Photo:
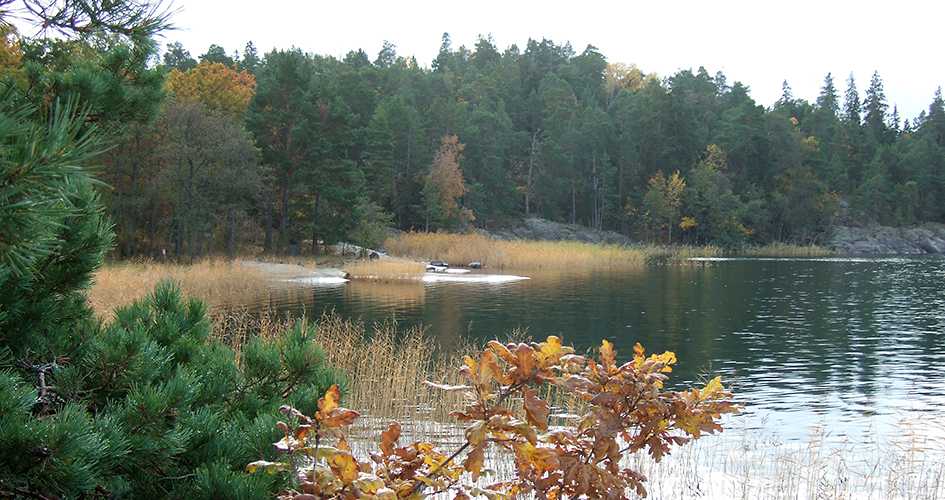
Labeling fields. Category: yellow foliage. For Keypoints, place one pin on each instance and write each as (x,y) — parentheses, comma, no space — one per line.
(216,86)
(446,176)
(10,53)
(715,158)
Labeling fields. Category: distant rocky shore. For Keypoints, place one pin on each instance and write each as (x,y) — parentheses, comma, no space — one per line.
(927,238)
(545,230)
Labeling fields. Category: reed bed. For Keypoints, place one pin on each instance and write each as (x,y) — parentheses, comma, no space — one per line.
(214,280)
(386,364)
(747,464)
(462,249)
(385,270)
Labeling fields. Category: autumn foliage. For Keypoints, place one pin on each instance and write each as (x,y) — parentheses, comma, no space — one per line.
(628,410)
(216,86)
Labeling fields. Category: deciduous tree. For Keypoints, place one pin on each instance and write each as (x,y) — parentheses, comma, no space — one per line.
(217,87)
(443,181)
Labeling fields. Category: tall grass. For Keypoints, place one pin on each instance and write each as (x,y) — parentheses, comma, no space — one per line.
(217,281)
(462,249)
(385,270)
(747,464)
(119,283)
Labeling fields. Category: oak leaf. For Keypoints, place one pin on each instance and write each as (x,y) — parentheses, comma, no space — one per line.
(328,402)
(536,410)
(474,460)
(344,466)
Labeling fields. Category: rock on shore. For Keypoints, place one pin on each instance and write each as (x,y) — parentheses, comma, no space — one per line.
(927,238)
(545,230)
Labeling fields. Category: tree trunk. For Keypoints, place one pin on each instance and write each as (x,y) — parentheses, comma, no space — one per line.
(283,217)
(315,226)
(130,248)
(152,230)
(595,209)
(531,167)
(267,242)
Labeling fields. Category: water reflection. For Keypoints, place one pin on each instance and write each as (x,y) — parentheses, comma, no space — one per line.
(843,342)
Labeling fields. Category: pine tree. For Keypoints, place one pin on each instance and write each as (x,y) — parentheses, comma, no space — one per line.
(148,405)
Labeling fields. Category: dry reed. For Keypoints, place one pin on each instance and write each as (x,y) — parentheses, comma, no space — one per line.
(462,249)
(748,464)
(385,270)
(386,365)
(214,280)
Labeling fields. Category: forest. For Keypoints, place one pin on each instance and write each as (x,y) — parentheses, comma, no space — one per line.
(286,150)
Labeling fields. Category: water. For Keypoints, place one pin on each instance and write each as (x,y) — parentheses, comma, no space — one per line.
(848,345)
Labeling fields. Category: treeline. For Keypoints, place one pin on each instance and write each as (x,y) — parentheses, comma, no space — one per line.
(288,149)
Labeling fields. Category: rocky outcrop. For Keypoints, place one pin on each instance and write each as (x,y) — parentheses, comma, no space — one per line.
(545,230)
(927,238)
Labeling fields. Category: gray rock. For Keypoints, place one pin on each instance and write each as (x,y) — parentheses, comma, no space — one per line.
(928,238)
(545,230)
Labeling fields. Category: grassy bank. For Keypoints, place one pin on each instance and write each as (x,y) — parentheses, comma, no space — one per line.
(119,282)
(786,250)
(215,280)
(385,270)
(462,249)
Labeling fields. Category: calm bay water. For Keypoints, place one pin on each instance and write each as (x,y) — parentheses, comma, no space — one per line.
(849,344)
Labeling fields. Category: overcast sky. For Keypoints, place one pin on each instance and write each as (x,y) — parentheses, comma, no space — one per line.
(758,42)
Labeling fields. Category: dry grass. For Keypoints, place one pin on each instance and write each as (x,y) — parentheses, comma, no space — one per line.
(462,249)
(214,280)
(746,464)
(385,270)
(385,366)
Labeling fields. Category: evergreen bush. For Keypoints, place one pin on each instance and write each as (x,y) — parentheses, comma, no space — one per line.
(149,405)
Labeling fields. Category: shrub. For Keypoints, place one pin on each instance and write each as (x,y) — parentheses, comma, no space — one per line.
(628,411)
(150,406)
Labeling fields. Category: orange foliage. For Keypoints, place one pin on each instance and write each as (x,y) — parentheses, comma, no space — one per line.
(445,174)
(10,53)
(216,86)
(628,411)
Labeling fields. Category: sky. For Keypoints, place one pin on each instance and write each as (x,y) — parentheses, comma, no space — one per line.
(760,43)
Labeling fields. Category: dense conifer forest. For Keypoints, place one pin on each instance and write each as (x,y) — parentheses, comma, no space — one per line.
(287,148)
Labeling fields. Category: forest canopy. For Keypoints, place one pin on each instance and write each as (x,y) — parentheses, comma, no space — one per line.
(303,148)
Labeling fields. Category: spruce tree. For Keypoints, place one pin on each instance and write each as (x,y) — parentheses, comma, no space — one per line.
(851,103)
(828,100)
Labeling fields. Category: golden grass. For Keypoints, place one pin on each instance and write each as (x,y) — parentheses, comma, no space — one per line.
(385,270)
(214,280)
(385,365)
(462,249)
